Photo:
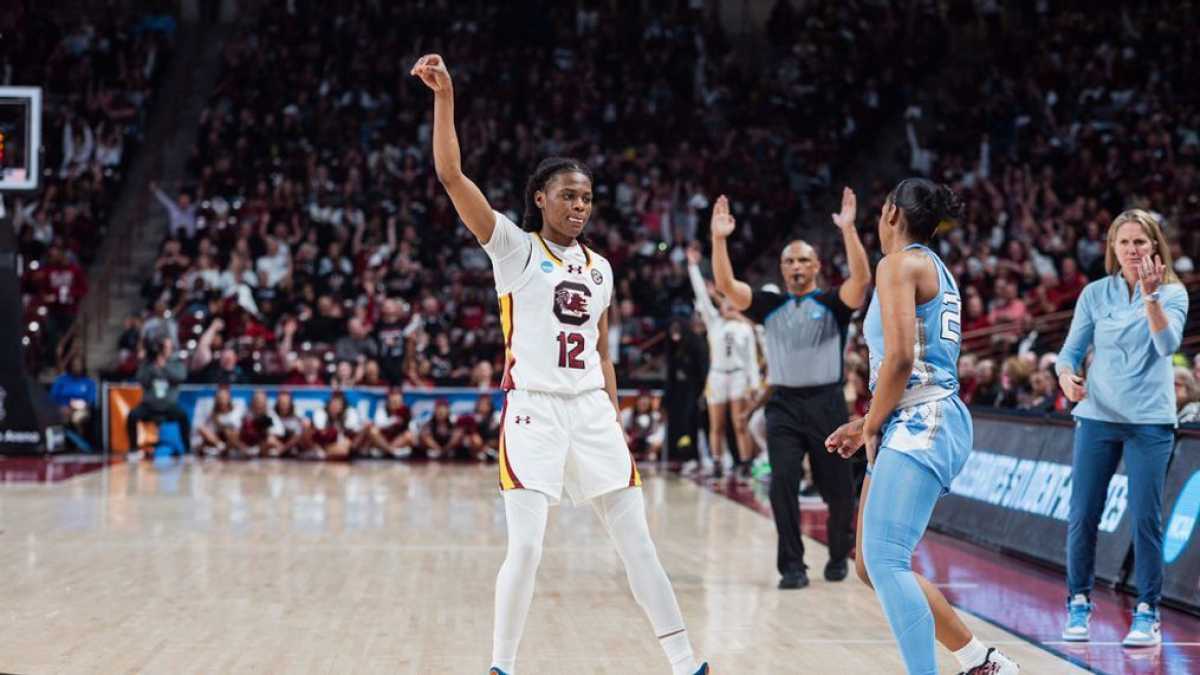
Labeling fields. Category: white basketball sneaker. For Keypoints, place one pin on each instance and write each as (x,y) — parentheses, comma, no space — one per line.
(995,663)
(1146,631)
(1079,615)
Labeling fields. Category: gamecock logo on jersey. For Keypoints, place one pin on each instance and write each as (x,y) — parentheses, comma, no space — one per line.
(571,303)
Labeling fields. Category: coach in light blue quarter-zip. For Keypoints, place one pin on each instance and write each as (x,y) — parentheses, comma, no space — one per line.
(1133,320)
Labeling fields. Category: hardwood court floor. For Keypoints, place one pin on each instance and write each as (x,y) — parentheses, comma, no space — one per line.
(275,567)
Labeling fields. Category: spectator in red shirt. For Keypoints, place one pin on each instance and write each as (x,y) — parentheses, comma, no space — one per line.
(975,318)
(968,377)
(1070,284)
(1007,307)
(65,282)
(63,285)
(372,375)
(308,373)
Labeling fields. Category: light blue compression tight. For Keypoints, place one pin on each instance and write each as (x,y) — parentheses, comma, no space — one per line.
(899,504)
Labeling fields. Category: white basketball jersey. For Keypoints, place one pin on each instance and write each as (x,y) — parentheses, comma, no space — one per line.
(732,346)
(551,317)
(731,342)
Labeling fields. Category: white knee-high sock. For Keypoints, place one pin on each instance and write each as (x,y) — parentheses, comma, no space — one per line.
(525,512)
(624,516)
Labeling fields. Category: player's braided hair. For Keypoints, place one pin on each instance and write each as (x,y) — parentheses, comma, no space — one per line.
(531,220)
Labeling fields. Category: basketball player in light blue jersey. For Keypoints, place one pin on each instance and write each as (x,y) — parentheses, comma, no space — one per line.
(918,432)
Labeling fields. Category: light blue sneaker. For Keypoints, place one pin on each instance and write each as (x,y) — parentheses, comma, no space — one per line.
(703,669)
(496,671)
(1146,630)
(1079,615)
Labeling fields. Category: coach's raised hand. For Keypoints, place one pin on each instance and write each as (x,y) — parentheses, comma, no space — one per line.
(432,70)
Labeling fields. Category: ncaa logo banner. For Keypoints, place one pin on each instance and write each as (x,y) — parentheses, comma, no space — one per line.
(1181,511)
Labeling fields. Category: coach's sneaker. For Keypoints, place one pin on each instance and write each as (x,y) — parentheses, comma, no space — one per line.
(496,671)
(995,663)
(703,669)
(1079,615)
(1146,630)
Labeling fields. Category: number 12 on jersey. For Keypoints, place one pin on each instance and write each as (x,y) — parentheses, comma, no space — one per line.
(570,359)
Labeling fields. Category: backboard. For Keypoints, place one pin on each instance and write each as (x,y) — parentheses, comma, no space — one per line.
(20,137)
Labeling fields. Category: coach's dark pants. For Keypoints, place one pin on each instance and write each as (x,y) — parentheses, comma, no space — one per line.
(172,413)
(798,422)
(683,413)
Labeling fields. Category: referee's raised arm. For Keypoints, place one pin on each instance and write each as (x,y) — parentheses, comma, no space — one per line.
(854,289)
(739,293)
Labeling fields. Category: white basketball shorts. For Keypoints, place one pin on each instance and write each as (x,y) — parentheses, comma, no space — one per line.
(549,442)
(726,387)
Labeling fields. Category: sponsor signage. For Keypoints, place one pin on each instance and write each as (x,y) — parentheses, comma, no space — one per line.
(1014,493)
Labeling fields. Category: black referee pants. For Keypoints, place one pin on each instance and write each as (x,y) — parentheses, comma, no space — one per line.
(798,422)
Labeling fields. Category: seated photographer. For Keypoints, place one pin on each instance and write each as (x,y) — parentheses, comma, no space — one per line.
(160,375)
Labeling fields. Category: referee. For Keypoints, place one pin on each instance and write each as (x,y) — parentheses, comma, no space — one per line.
(806,341)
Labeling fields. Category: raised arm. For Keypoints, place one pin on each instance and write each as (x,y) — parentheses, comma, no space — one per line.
(203,354)
(704,303)
(854,289)
(738,292)
(468,200)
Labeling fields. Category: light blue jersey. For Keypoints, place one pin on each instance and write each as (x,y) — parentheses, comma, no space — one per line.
(930,423)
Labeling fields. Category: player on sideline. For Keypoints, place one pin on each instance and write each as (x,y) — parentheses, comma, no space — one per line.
(918,432)
(559,427)
(732,369)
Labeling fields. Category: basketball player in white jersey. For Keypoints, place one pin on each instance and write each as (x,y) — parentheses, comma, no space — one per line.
(732,369)
(559,429)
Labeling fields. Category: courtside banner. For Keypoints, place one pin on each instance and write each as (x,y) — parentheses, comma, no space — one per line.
(197,400)
(1181,509)
(1015,491)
